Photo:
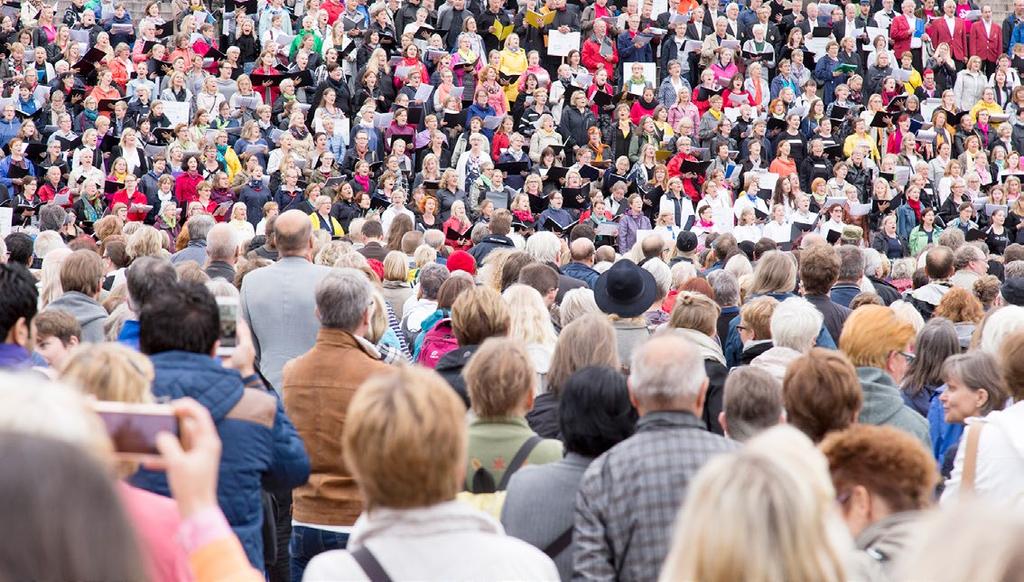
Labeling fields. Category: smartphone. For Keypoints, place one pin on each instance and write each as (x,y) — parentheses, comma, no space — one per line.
(228,310)
(133,427)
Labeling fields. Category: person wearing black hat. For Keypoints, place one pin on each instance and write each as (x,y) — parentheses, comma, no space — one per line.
(625,292)
(686,248)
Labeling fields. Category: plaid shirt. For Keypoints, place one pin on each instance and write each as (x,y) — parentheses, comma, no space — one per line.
(630,496)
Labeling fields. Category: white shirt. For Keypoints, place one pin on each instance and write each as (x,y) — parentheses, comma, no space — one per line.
(779,233)
(950,22)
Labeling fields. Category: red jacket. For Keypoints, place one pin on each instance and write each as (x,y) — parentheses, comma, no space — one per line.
(592,58)
(121,196)
(185,188)
(939,32)
(691,186)
(900,33)
(988,47)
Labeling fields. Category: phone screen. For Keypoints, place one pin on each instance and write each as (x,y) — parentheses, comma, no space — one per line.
(228,310)
(133,427)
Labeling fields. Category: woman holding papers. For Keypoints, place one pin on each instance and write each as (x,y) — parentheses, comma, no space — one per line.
(133,198)
(835,220)
(632,221)
(997,235)
(735,94)
(512,64)
(826,74)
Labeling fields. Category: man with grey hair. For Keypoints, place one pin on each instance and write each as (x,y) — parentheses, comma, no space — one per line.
(419,306)
(434,239)
(751,403)
(546,248)
(851,271)
(795,325)
(198,227)
(317,389)
(222,252)
(1013,270)
(727,296)
(873,271)
(51,217)
(970,264)
(278,301)
(626,509)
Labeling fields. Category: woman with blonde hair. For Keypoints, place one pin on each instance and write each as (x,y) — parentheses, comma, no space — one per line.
(50,287)
(695,317)
(730,526)
(531,324)
(110,371)
(587,341)
(396,287)
(146,241)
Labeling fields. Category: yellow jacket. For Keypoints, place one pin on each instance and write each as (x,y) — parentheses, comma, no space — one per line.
(512,63)
(336,229)
(854,140)
(992,108)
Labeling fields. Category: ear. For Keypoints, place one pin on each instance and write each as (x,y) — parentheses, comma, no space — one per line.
(698,406)
(981,398)
(722,421)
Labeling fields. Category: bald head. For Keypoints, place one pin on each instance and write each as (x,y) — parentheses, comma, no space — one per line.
(222,243)
(582,251)
(652,246)
(667,373)
(810,239)
(293,234)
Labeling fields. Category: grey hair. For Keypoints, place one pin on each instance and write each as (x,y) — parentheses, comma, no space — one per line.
(199,226)
(795,324)
(964,255)
(1013,270)
(431,277)
(851,263)
(752,402)
(872,262)
(544,247)
(221,242)
(343,297)
(682,272)
(726,287)
(576,303)
(51,217)
(433,238)
(47,241)
(662,275)
(667,369)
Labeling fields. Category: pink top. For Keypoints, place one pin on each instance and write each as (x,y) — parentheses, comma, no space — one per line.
(156,522)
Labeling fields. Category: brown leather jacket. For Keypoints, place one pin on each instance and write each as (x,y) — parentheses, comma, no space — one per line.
(317,388)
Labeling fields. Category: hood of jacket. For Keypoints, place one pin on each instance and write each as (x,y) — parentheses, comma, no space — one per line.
(709,348)
(882,399)
(442,518)
(775,360)
(198,376)
(454,360)
(85,309)
(499,240)
(885,539)
(931,293)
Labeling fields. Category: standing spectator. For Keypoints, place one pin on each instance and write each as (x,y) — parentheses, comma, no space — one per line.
(879,344)
(278,301)
(81,277)
(819,270)
(318,387)
(416,529)
(594,415)
(179,330)
(625,509)
(198,227)
(19,300)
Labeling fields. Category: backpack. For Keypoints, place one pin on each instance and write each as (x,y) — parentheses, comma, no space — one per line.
(436,343)
(489,498)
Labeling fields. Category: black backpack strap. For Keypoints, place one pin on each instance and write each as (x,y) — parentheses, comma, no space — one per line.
(518,460)
(371,567)
(559,544)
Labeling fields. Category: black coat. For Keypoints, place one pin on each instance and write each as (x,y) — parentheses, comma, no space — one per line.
(450,368)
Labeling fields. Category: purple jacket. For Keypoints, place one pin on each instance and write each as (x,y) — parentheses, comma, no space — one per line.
(629,224)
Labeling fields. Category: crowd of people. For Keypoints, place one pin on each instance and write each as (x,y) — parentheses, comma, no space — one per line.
(542,290)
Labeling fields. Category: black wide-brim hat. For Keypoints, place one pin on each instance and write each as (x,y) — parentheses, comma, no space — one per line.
(625,290)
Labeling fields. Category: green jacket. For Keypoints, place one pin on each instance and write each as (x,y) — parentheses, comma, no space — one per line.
(884,405)
(918,239)
(300,36)
(494,441)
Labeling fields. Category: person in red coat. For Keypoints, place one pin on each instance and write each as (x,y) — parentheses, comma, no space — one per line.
(131,196)
(599,50)
(185,183)
(950,30)
(903,28)
(691,182)
(985,39)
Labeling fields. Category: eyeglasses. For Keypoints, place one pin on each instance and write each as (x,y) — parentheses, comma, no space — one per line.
(908,356)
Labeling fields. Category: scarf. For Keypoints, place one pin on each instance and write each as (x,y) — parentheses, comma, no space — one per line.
(363,181)
(708,346)
(90,114)
(916,206)
(92,209)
